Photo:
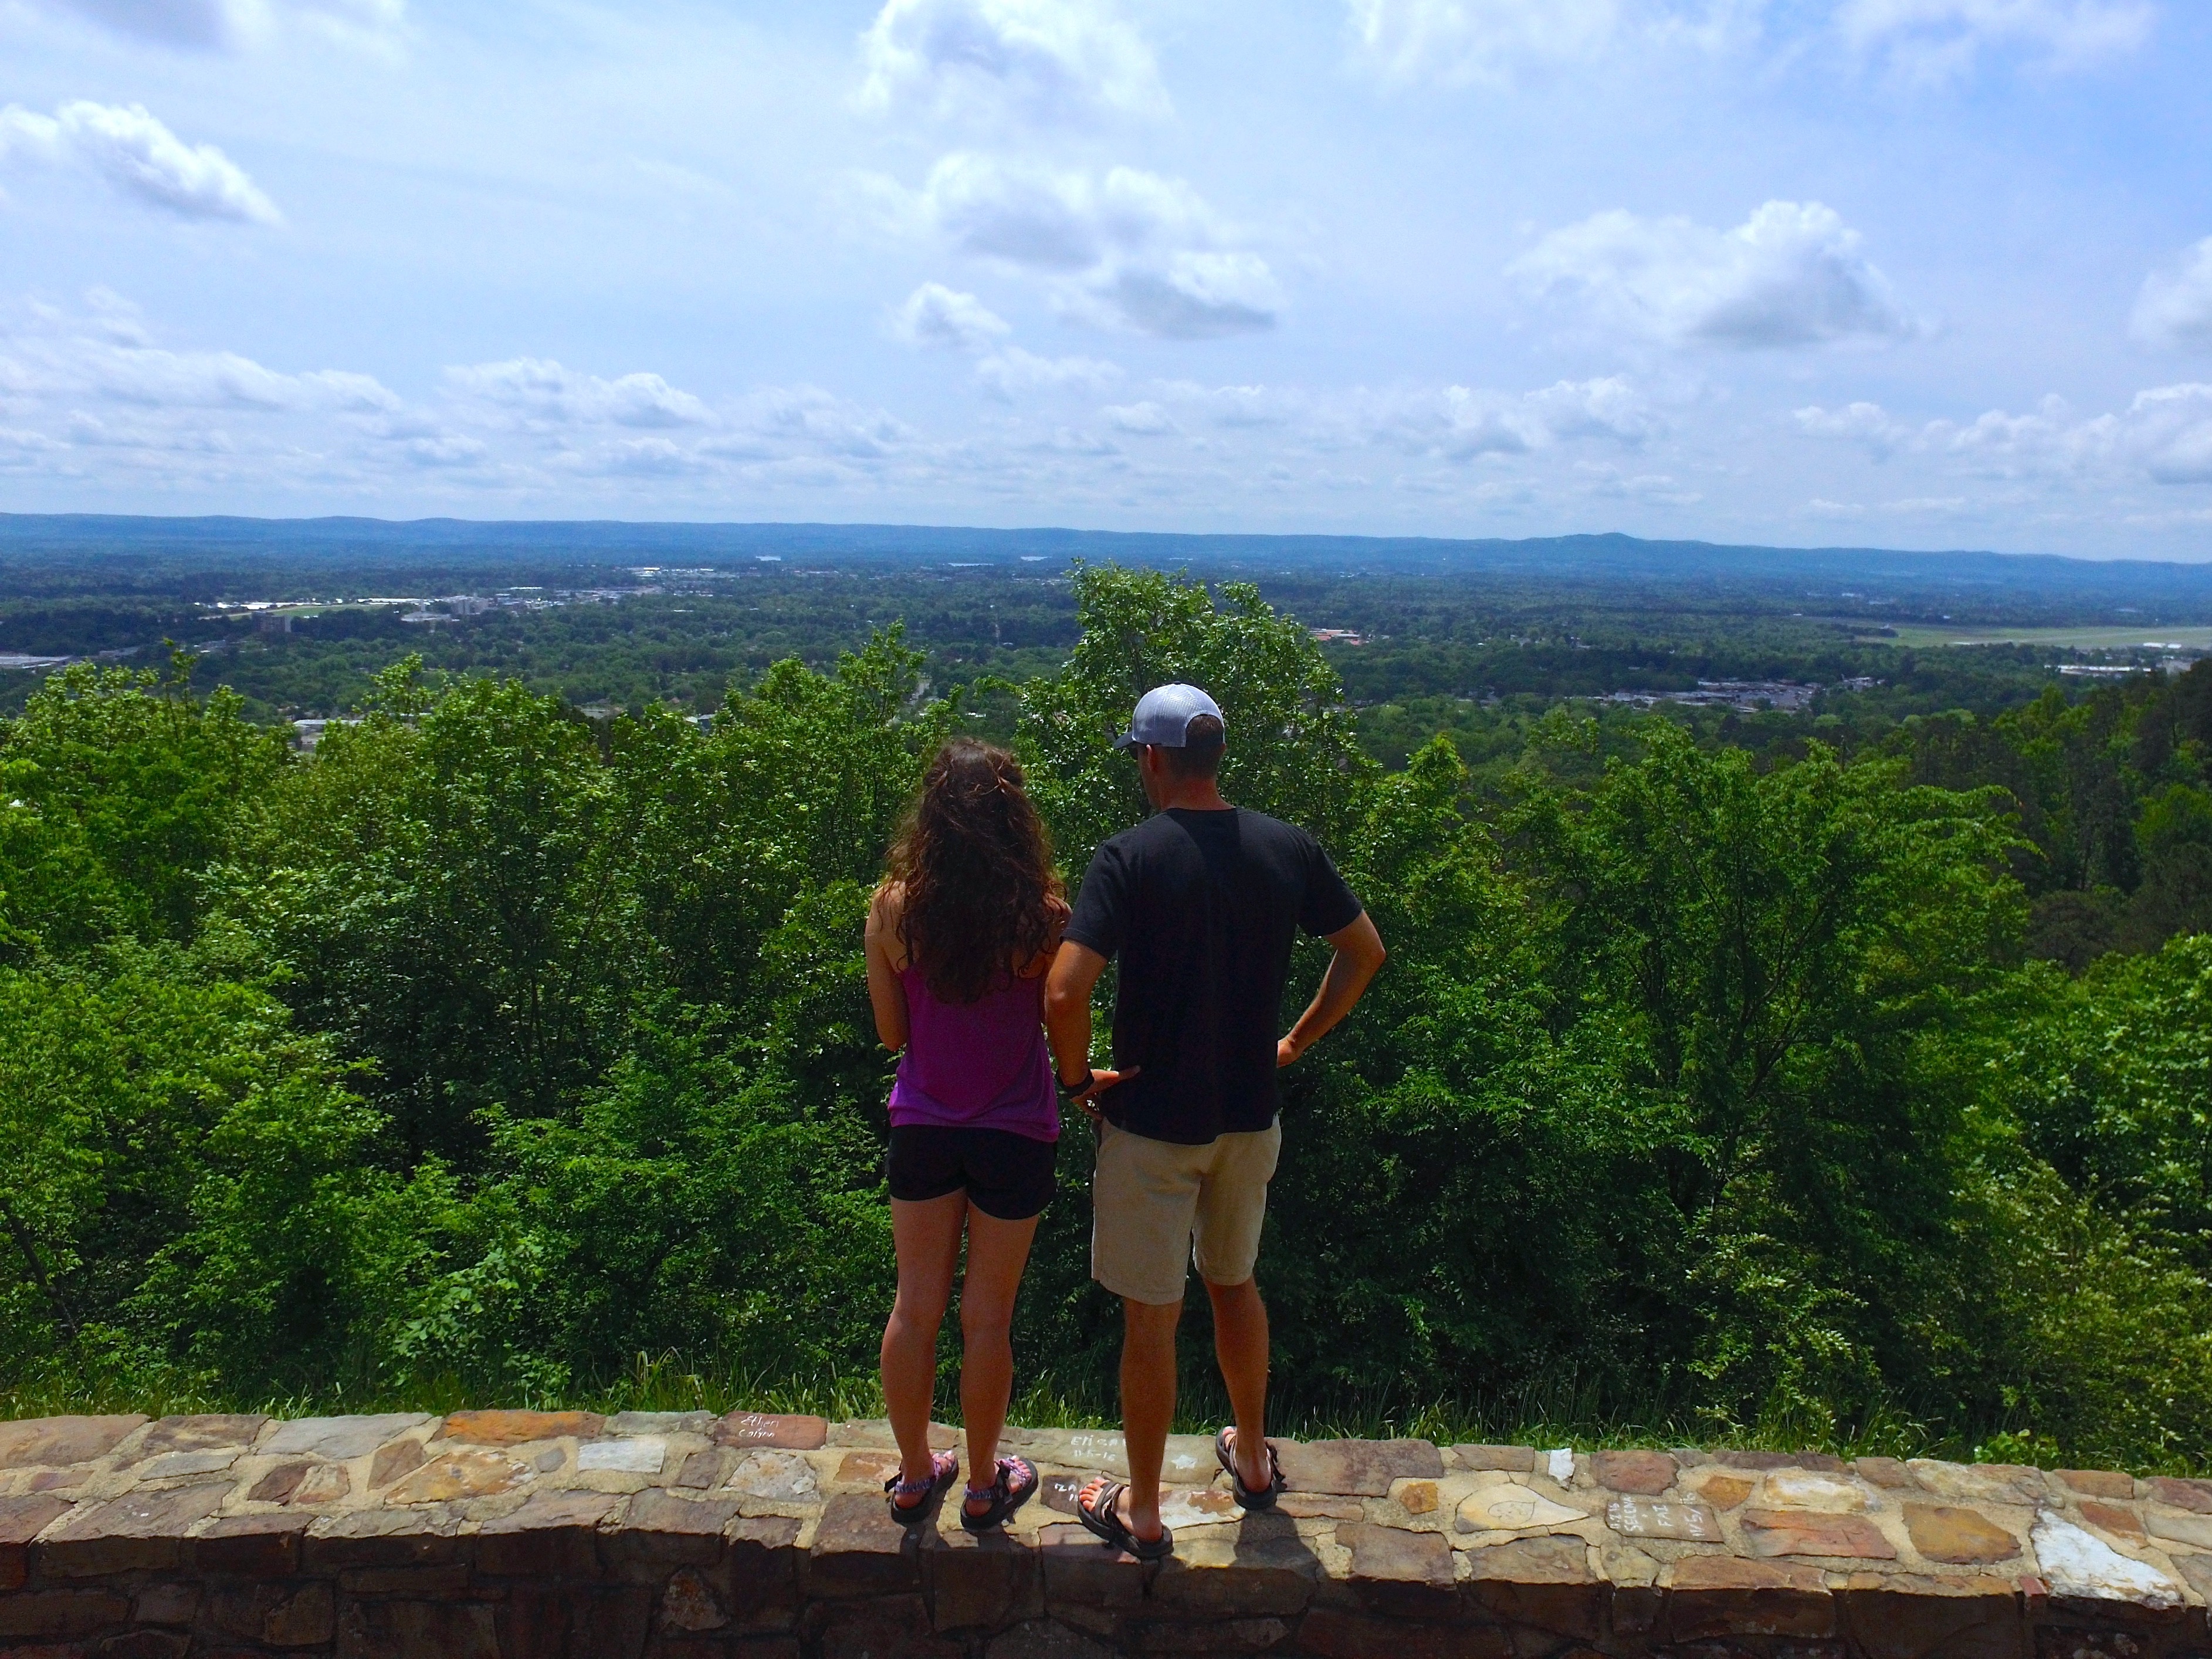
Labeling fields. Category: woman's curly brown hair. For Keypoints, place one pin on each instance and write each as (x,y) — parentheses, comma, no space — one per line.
(975,865)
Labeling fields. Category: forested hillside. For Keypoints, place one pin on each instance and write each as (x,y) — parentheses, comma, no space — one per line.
(1782,1092)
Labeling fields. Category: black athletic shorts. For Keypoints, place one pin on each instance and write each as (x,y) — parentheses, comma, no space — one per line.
(1007,1175)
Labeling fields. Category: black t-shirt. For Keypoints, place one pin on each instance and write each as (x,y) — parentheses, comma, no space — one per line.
(1203,907)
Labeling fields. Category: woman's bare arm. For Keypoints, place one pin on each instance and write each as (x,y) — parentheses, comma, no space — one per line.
(886,996)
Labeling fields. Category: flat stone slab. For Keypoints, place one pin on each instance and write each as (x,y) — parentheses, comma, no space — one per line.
(339,1438)
(2076,1563)
(767,1429)
(520,1428)
(57,1442)
(1811,1532)
(1944,1533)
(1634,1517)
(1359,1468)
(1647,1474)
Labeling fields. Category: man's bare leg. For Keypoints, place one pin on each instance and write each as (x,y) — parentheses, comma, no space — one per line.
(1148,1402)
(1240,1344)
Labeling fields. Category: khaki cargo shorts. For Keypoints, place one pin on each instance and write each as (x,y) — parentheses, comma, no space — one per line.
(1157,1206)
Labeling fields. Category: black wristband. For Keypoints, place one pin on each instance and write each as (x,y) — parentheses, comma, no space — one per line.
(1069,1090)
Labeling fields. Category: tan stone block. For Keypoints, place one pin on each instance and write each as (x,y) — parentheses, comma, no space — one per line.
(2179,1529)
(1415,1497)
(1980,1483)
(42,1441)
(1811,1532)
(1319,1506)
(138,1530)
(1722,1491)
(1410,1574)
(1356,1468)
(2098,1483)
(1516,1460)
(2197,1568)
(223,1430)
(1809,1488)
(512,1428)
(382,1538)
(659,1530)
(1644,1472)
(1944,1533)
(1542,1581)
(2195,1495)
(867,1469)
(770,1429)
(1882,1472)
(459,1474)
(786,1477)
(1507,1506)
(1634,1517)
(22,1519)
(400,1457)
(322,1483)
(1724,1595)
(2121,1521)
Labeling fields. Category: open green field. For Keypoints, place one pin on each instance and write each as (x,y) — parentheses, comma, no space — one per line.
(1921,635)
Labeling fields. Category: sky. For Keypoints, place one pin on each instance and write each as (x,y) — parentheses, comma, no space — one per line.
(1907,273)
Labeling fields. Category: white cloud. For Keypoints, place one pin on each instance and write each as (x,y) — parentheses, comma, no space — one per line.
(1145,419)
(2165,434)
(1462,424)
(135,154)
(1791,275)
(542,393)
(2176,309)
(1007,373)
(1046,60)
(233,25)
(1456,40)
(1936,38)
(1127,249)
(935,315)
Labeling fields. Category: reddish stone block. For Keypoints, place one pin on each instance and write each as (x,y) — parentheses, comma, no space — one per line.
(1722,1595)
(2115,1518)
(519,1428)
(1943,1532)
(553,1532)
(139,1530)
(435,1630)
(2099,1483)
(166,1603)
(760,1573)
(1899,1617)
(750,1429)
(1259,1568)
(66,1612)
(1081,1572)
(1807,1531)
(401,1457)
(22,1519)
(1882,1472)
(43,1441)
(1543,1582)
(251,1546)
(135,1644)
(702,1470)
(276,1616)
(895,1627)
(859,1550)
(384,1538)
(205,1432)
(584,1619)
(1045,1638)
(1518,1460)
(1356,1468)
(660,1532)
(1645,1472)
(984,1583)
(279,1484)
(1216,1635)
(1395,1571)
(2195,1495)
(439,1579)
(1329,1633)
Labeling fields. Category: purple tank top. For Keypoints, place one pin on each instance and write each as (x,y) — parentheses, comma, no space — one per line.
(981,1066)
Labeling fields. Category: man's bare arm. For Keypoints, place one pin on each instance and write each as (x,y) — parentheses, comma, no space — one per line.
(1067,990)
(1359,954)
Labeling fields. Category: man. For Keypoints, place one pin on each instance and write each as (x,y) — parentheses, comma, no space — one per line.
(1202,903)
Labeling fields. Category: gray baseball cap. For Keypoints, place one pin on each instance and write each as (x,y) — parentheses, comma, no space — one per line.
(1164,717)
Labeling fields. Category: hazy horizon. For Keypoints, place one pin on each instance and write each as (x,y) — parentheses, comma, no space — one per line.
(1917,275)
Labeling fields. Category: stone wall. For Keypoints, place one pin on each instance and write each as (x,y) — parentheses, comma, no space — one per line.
(515,1534)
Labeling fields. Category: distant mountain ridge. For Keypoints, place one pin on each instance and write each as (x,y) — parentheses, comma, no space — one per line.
(305,545)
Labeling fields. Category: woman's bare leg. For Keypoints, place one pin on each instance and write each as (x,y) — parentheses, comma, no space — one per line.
(926,1237)
(998,1251)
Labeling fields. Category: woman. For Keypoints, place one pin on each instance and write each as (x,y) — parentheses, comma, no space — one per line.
(959,936)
